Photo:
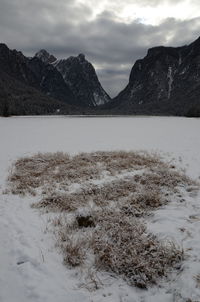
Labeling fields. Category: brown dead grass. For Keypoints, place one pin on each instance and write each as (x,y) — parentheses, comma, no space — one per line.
(164,177)
(74,253)
(51,169)
(61,202)
(127,194)
(141,193)
(197,279)
(122,245)
(112,233)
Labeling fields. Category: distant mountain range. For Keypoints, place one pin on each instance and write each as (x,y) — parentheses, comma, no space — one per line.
(165,82)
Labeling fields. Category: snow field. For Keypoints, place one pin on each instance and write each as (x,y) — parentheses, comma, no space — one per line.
(31,268)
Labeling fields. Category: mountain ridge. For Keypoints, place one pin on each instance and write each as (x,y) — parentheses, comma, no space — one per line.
(165,82)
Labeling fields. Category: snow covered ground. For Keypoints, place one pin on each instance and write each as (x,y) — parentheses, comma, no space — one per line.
(31,268)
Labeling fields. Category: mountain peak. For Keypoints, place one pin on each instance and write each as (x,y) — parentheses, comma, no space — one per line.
(4,48)
(3,45)
(45,56)
(81,57)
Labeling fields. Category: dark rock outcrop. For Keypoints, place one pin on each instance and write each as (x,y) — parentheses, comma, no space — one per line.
(45,56)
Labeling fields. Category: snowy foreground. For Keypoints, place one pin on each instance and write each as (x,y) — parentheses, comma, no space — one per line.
(30,266)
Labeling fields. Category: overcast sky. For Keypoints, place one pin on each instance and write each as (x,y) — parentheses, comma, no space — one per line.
(111,33)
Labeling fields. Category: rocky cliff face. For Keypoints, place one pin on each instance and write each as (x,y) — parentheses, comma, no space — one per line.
(29,86)
(166,81)
(81,77)
(36,73)
(15,64)
(51,82)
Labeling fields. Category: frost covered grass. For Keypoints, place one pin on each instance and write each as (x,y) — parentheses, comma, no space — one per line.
(117,243)
(49,169)
(128,250)
(104,198)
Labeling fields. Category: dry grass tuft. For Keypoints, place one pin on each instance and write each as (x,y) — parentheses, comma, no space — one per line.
(164,178)
(61,202)
(74,253)
(197,279)
(122,245)
(103,216)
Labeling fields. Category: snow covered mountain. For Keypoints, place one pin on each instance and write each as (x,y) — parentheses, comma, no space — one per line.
(80,75)
(166,81)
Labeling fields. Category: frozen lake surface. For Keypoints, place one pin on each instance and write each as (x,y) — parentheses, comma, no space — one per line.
(42,277)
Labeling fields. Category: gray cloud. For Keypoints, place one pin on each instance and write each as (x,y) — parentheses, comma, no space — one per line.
(65,28)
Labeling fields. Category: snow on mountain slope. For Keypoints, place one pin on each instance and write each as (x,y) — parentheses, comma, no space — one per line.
(81,76)
(31,267)
(166,82)
(45,56)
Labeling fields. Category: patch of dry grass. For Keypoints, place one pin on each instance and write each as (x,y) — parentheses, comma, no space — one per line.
(128,195)
(123,245)
(110,231)
(164,177)
(61,202)
(52,169)
(74,252)
(48,170)
(119,244)
(140,192)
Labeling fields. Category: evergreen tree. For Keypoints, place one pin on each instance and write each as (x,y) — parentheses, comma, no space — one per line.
(6,110)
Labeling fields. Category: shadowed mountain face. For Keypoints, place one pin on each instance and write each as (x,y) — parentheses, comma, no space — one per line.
(51,82)
(36,86)
(80,76)
(35,73)
(28,86)
(15,64)
(166,81)
(17,98)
